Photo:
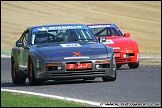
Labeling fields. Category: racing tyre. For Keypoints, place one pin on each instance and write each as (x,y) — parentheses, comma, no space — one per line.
(106,79)
(109,78)
(15,78)
(133,65)
(32,80)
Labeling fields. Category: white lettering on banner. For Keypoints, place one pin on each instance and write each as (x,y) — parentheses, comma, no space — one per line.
(97,26)
(64,27)
(57,28)
(42,29)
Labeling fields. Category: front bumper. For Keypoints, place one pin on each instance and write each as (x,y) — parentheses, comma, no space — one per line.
(106,69)
(126,56)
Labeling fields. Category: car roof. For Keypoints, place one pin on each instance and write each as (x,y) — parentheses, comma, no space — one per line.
(57,27)
(51,25)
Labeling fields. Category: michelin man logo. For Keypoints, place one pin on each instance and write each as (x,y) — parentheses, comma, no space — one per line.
(42,29)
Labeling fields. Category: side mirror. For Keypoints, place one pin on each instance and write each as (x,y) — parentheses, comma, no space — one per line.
(102,39)
(19,43)
(127,35)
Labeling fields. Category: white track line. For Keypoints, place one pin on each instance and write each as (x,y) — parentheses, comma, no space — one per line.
(54,96)
(5,56)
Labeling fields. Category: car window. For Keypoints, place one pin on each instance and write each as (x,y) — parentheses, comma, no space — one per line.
(108,31)
(68,35)
(24,37)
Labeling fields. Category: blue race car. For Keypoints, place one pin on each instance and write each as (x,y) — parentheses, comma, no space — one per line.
(61,52)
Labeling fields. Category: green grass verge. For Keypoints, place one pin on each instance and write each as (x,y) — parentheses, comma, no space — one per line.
(6,52)
(10,99)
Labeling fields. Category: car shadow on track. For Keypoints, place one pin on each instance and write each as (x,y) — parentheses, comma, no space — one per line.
(79,81)
(53,82)
(124,68)
(10,84)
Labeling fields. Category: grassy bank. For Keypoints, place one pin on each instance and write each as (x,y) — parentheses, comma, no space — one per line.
(9,99)
(142,19)
(6,52)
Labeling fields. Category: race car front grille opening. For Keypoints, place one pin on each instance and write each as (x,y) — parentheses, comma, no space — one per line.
(53,66)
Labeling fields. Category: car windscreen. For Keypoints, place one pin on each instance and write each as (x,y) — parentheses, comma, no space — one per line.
(106,31)
(66,35)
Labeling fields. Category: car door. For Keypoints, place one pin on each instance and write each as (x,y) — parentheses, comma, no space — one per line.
(23,51)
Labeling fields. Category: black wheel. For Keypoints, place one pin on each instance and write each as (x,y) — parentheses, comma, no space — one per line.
(15,78)
(133,65)
(118,66)
(90,78)
(32,80)
(58,80)
(110,78)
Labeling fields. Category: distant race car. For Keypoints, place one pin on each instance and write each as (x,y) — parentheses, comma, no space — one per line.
(125,49)
(61,52)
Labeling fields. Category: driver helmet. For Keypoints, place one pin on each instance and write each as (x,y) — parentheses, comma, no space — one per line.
(73,35)
(41,37)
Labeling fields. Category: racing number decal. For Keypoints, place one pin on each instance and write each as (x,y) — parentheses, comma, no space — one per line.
(71,45)
(79,66)
(108,42)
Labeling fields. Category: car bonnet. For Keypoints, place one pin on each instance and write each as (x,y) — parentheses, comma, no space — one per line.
(119,42)
(71,51)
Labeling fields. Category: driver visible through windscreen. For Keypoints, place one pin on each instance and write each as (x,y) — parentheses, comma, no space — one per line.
(68,35)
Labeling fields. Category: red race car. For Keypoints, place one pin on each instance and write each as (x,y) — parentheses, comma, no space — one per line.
(125,49)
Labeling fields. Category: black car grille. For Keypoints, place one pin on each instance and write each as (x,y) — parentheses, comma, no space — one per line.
(79,73)
(123,60)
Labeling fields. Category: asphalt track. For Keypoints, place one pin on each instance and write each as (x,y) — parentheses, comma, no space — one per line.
(133,86)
